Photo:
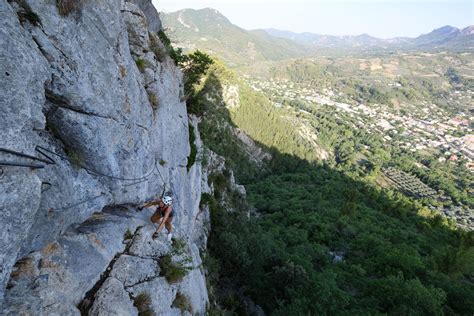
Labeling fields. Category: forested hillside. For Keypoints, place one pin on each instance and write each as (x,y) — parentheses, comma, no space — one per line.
(207,29)
(358,197)
(322,239)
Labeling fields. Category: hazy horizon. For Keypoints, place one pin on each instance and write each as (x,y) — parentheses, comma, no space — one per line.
(382,19)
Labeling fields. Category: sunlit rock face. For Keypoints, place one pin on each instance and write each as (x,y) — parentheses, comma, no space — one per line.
(90,85)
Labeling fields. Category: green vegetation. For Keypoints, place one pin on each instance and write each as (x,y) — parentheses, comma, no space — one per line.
(174,271)
(127,235)
(143,303)
(192,144)
(175,54)
(162,162)
(141,64)
(329,237)
(406,80)
(394,260)
(182,302)
(255,115)
(178,247)
(241,47)
(326,240)
(194,66)
(409,183)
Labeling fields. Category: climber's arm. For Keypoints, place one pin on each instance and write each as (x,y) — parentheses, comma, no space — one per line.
(152,203)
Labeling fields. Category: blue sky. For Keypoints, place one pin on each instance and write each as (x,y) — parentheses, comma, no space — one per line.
(382,18)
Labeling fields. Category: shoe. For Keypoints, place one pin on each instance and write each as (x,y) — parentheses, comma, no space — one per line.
(170,236)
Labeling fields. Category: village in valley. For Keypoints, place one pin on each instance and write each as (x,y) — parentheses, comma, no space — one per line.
(429,128)
(426,129)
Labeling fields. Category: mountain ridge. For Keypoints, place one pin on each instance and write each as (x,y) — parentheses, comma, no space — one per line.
(210,30)
(439,35)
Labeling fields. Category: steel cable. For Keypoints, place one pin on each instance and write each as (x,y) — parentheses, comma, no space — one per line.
(42,151)
(49,160)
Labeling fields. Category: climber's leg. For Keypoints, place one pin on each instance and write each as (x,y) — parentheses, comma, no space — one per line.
(169,227)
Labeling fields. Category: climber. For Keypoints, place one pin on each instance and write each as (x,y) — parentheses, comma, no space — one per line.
(162,216)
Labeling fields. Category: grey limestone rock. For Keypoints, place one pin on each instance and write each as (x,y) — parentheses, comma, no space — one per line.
(143,245)
(114,137)
(112,299)
(161,294)
(130,270)
(154,22)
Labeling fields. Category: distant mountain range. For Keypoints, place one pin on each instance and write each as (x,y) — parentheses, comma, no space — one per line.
(444,37)
(209,30)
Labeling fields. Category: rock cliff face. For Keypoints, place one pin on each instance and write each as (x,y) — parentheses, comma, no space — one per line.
(88,92)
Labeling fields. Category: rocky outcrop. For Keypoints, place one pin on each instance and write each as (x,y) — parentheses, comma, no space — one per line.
(88,92)
(154,22)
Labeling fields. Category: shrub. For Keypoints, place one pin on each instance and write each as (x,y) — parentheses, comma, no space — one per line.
(173,271)
(143,303)
(207,199)
(193,153)
(203,157)
(141,64)
(175,54)
(66,7)
(193,65)
(162,162)
(220,183)
(182,302)
(179,247)
(127,235)
(215,310)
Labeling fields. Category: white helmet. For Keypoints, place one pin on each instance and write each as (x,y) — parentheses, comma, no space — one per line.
(168,200)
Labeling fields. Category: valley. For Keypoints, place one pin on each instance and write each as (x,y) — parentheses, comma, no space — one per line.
(405,106)
(357,160)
